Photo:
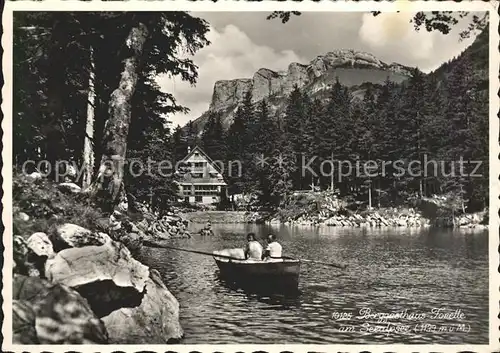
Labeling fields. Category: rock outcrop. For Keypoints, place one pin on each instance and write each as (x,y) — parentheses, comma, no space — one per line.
(353,68)
(40,244)
(69,188)
(68,277)
(73,236)
(26,260)
(85,284)
(49,313)
(228,92)
(106,275)
(169,226)
(266,83)
(153,321)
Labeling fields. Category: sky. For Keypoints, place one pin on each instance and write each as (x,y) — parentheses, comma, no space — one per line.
(243,42)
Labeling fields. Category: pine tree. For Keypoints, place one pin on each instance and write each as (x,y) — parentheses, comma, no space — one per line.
(311,137)
(281,170)
(213,138)
(239,141)
(192,136)
(178,145)
(265,142)
(459,141)
(411,139)
(296,114)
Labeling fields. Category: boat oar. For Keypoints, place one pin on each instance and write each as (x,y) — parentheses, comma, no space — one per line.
(342,266)
(331,264)
(163,246)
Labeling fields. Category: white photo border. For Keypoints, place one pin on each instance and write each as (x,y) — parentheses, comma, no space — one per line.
(264,6)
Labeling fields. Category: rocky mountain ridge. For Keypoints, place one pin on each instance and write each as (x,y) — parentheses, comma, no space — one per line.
(266,82)
(352,67)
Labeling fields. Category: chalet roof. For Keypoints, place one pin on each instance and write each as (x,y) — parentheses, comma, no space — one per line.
(200,151)
(205,179)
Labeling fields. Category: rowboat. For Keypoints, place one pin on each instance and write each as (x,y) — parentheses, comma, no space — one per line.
(274,274)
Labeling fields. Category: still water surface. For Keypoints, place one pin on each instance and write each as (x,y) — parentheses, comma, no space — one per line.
(389,271)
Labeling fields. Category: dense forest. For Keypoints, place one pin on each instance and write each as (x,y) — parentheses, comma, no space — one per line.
(424,137)
(80,77)
(78,80)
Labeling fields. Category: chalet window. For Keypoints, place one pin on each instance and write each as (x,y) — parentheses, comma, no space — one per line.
(198,198)
(205,187)
(206,193)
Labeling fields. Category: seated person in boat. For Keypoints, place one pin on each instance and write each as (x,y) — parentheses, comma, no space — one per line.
(253,249)
(273,249)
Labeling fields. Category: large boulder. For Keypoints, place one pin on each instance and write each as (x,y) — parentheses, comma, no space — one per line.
(107,275)
(49,313)
(26,262)
(21,216)
(154,321)
(20,250)
(34,176)
(133,242)
(70,235)
(143,225)
(70,188)
(23,323)
(159,231)
(40,244)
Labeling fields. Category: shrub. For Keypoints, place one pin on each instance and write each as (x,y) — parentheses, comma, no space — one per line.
(48,207)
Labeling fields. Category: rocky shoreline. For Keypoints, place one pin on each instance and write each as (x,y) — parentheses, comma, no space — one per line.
(325,208)
(225,217)
(386,218)
(74,285)
(389,217)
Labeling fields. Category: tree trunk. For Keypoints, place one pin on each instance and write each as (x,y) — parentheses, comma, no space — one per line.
(370,196)
(331,176)
(55,149)
(379,193)
(109,183)
(88,149)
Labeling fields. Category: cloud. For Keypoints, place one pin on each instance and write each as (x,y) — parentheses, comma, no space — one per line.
(393,32)
(231,54)
(392,38)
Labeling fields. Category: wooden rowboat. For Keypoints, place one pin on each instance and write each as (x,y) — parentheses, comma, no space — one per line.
(275,274)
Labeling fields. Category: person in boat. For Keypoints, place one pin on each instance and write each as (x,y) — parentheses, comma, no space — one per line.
(273,249)
(253,249)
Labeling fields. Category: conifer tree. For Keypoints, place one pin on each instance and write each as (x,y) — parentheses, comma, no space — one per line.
(265,143)
(179,144)
(240,138)
(192,135)
(213,137)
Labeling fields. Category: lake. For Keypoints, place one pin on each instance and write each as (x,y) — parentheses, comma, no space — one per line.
(400,286)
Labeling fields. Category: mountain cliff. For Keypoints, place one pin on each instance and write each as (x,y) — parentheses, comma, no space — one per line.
(353,68)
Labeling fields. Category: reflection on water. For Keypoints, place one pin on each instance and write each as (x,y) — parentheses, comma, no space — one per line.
(265,289)
(389,271)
